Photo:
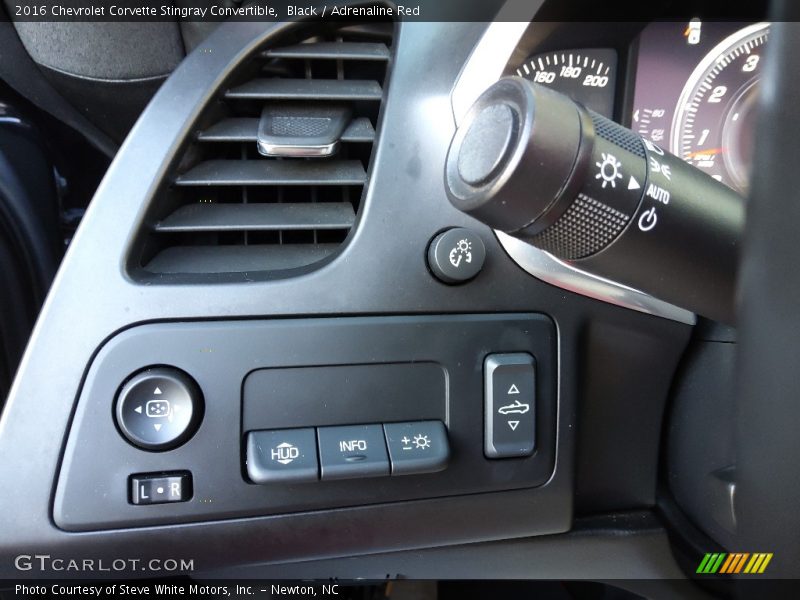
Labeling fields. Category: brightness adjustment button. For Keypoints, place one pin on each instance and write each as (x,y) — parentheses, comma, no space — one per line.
(417,447)
(159,409)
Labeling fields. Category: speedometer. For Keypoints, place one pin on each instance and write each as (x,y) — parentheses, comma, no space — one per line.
(587,76)
(714,119)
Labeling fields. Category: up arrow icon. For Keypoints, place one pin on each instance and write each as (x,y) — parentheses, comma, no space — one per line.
(513,389)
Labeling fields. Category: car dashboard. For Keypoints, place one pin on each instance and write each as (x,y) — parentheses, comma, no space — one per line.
(270,355)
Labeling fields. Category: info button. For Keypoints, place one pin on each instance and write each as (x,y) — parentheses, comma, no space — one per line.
(352,451)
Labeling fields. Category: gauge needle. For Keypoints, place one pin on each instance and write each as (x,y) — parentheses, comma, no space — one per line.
(705,152)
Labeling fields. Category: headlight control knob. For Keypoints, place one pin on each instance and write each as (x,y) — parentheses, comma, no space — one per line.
(531,162)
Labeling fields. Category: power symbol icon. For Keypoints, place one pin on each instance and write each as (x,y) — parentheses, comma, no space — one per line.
(648,219)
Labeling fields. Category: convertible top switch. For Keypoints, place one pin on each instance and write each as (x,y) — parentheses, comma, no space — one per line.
(510,403)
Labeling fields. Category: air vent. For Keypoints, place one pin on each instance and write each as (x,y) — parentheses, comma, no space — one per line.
(231,209)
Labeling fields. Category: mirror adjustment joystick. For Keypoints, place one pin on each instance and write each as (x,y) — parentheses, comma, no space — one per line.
(159,408)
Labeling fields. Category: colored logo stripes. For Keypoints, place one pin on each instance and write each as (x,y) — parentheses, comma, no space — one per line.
(734,563)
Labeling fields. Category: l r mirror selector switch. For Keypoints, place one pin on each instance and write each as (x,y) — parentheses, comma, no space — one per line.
(160,488)
(510,404)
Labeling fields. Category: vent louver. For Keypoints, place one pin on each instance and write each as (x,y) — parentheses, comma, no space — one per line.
(231,210)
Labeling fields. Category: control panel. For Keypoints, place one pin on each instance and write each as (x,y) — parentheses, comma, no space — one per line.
(249,418)
(347,452)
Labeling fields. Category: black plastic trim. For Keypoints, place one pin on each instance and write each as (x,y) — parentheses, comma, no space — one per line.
(219,356)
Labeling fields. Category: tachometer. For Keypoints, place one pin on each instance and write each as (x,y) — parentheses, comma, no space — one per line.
(714,119)
(587,76)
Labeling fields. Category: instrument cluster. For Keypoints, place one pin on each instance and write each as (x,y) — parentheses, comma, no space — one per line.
(690,87)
